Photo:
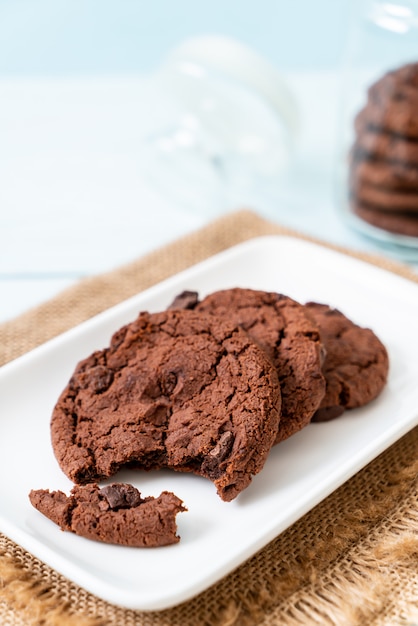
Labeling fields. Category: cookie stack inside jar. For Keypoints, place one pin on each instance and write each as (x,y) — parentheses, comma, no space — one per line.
(377,141)
(383,177)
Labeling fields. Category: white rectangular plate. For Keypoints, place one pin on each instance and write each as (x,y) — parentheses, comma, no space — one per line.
(215,536)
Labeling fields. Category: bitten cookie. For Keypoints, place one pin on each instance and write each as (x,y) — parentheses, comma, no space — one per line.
(291,340)
(178,389)
(113,514)
(356,363)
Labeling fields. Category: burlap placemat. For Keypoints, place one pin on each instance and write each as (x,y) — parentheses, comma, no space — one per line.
(352,560)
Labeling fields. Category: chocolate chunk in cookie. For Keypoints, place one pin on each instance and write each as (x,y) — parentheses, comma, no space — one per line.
(184,300)
(356,363)
(179,389)
(291,340)
(113,514)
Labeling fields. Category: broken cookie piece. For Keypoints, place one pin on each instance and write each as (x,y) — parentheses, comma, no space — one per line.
(114,514)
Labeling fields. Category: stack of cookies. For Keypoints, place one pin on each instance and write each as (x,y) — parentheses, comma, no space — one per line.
(384,158)
(206,386)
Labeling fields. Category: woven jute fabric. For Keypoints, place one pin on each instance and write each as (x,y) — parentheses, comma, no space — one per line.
(352,560)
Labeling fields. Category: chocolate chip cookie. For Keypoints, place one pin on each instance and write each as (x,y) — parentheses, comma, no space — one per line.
(388,200)
(178,389)
(390,83)
(114,514)
(384,175)
(393,101)
(291,340)
(393,221)
(385,147)
(395,115)
(356,363)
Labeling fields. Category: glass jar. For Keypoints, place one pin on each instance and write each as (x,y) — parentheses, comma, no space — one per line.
(227,125)
(378,168)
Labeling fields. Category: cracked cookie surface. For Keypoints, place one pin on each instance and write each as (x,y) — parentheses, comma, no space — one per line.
(356,364)
(291,340)
(114,514)
(177,389)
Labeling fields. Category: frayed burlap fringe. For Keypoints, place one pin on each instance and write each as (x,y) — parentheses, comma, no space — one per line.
(351,561)
(343,563)
(29,601)
(368,583)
